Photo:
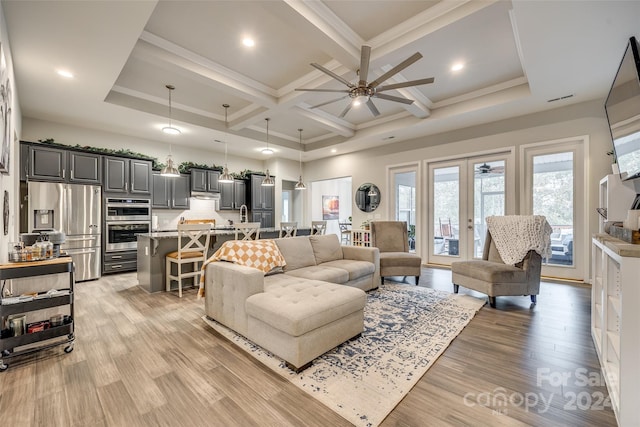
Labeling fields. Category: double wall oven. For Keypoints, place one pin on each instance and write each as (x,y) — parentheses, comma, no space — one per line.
(125,218)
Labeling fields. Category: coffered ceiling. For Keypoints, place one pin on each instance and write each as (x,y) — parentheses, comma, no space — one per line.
(517,55)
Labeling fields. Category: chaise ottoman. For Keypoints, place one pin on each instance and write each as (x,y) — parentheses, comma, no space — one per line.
(299,320)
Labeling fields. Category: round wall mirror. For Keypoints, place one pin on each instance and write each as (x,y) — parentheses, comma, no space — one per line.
(368,197)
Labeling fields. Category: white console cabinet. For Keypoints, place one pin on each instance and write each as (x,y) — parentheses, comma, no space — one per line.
(615,322)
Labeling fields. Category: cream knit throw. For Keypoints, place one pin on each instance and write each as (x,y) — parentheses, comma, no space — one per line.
(515,235)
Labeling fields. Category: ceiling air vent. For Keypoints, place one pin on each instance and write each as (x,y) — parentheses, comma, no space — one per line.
(558,99)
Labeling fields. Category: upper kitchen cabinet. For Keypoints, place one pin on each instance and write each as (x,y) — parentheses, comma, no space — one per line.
(233,195)
(205,181)
(58,165)
(262,198)
(170,192)
(122,175)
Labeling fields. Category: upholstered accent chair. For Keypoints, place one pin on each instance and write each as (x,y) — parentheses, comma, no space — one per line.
(392,240)
(491,276)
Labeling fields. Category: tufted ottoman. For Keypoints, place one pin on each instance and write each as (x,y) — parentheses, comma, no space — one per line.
(299,320)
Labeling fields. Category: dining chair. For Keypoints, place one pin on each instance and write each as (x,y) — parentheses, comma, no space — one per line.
(247,231)
(288,229)
(345,233)
(193,243)
(318,227)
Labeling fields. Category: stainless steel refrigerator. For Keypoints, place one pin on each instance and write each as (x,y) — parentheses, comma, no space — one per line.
(76,211)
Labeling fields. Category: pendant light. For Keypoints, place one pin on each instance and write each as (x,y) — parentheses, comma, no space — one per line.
(268,181)
(170,170)
(170,129)
(372,192)
(267,150)
(300,184)
(226,176)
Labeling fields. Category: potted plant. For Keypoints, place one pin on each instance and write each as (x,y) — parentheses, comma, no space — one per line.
(365,224)
(412,237)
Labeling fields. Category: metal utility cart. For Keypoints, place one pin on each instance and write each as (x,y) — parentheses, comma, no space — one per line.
(41,301)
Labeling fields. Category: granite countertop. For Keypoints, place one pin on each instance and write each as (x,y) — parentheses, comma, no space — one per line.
(618,246)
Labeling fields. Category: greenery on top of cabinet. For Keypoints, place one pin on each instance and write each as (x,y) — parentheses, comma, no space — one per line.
(185,167)
(119,152)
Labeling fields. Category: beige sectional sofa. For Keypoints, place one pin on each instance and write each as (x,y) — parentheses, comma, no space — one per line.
(315,304)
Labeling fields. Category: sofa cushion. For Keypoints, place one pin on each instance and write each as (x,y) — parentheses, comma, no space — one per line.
(489,271)
(297,252)
(326,247)
(307,305)
(356,269)
(316,272)
(261,254)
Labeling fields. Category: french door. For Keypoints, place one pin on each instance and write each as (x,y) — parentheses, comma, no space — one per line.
(462,193)
(553,185)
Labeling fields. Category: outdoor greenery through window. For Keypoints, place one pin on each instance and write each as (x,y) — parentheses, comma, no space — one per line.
(553,197)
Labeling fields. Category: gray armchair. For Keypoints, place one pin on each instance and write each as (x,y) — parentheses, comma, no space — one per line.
(392,240)
(493,277)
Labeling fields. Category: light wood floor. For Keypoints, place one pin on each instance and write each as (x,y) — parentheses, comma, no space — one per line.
(149,360)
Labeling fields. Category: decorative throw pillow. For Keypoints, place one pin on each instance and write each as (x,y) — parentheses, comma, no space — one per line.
(261,254)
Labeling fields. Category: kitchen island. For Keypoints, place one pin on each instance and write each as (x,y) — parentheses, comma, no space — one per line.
(153,247)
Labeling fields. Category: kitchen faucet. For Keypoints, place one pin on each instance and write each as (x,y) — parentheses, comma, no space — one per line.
(245,217)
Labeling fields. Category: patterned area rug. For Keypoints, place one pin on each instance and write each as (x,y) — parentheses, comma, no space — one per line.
(406,329)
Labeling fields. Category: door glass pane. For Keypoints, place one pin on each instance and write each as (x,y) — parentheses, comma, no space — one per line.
(446,210)
(405,186)
(488,199)
(553,198)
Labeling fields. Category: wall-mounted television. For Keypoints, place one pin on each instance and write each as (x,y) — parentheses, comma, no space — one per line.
(623,112)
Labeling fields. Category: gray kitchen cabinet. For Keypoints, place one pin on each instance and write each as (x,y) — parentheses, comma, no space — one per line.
(265,218)
(262,198)
(232,195)
(239,193)
(85,168)
(60,165)
(122,175)
(171,192)
(47,164)
(262,201)
(205,181)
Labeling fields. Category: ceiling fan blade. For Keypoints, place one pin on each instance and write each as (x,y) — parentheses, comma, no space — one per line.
(395,70)
(326,90)
(345,111)
(393,98)
(332,74)
(373,108)
(329,102)
(364,65)
(406,84)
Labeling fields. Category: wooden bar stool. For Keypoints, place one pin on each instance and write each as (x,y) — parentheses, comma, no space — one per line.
(191,250)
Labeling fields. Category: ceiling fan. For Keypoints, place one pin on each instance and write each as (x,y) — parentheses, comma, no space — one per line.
(486,169)
(364,91)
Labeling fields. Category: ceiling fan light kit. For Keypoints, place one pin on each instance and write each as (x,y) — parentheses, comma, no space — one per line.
(365,91)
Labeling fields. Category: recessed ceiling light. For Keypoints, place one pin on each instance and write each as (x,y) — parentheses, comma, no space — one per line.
(333,150)
(248,42)
(66,74)
(457,66)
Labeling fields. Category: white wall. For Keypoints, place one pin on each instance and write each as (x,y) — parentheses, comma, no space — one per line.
(10,182)
(581,119)
(340,187)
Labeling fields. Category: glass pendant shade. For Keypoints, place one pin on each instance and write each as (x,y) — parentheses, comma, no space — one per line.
(169,170)
(300,185)
(226,176)
(268,181)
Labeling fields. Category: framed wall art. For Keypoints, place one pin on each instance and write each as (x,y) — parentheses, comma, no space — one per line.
(330,207)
